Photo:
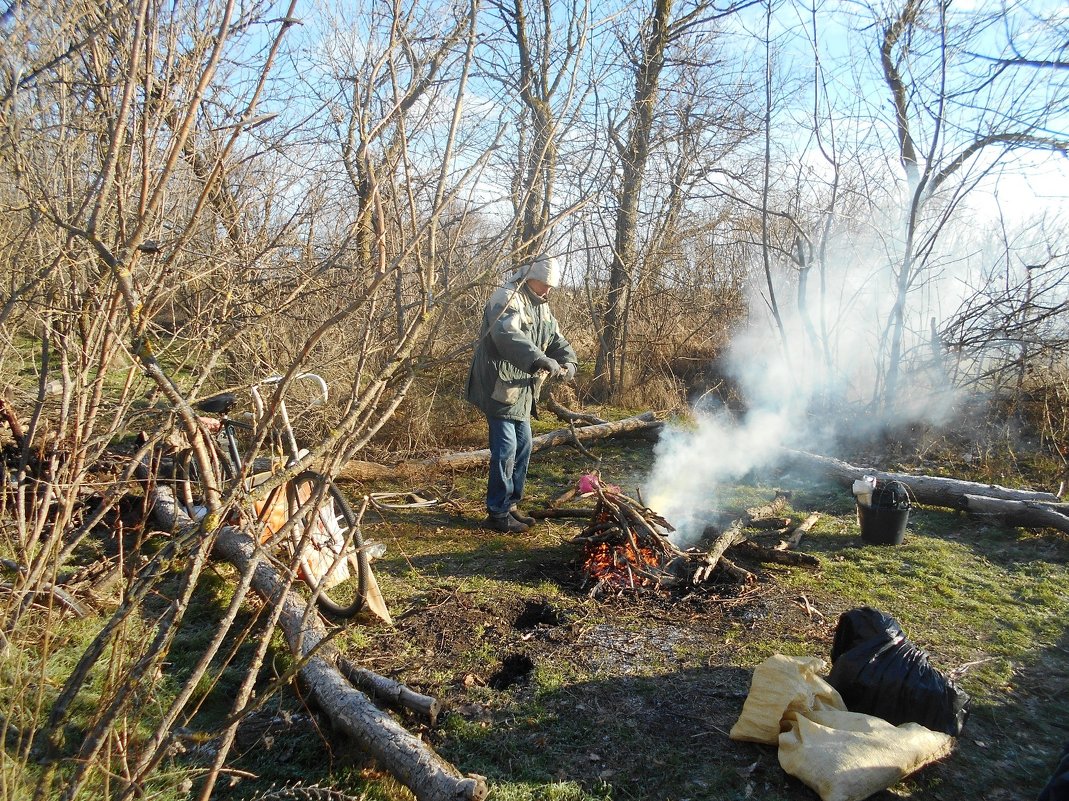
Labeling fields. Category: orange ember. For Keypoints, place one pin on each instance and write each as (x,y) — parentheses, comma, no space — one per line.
(621,566)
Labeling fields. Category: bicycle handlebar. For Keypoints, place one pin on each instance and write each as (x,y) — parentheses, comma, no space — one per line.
(283,413)
(324,393)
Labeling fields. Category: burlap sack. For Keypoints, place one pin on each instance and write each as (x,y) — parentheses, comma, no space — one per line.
(783,684)
(847,756)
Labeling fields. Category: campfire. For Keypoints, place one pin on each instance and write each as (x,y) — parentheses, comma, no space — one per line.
(626,544)
(627,547)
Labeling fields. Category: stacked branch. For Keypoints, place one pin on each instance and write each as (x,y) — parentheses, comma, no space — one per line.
(627,545)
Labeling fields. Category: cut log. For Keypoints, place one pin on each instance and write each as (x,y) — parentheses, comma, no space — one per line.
(1018,513)
(465,460)
(930,490)
(771,510)
(733,536)
(411,761)
(391,692)
(796,535)
(770,523)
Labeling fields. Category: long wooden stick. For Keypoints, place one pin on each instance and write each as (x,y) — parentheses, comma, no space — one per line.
(411,761)
(356,470)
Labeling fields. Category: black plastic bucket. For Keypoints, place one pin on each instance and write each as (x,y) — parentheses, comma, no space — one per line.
(884,522)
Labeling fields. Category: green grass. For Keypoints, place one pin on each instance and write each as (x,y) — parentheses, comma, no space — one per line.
(632,698)
(977,597)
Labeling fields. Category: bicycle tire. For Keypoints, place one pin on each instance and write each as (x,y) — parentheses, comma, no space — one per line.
(312,485)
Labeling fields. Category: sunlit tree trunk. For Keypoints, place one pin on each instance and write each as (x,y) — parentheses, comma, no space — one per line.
(610,364)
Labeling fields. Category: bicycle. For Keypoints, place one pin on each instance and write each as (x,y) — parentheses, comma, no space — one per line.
(308,512)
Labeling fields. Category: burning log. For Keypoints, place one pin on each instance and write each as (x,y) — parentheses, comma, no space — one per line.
(627,545)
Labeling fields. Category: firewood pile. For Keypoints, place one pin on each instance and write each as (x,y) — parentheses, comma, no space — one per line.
(627,546)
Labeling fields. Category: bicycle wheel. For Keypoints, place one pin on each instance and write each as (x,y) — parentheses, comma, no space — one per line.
(327,528)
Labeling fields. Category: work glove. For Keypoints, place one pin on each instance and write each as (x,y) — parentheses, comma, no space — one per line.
(569,372)
(551,366)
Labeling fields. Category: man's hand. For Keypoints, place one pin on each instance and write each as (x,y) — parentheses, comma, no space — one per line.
(569,372)
(551,366)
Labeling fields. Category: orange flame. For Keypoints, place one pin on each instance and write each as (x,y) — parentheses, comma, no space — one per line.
(620,565)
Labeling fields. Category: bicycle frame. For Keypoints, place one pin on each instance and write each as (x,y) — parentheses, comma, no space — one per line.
(309,505)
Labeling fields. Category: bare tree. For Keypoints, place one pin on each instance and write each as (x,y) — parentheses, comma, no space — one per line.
(538,64)
(663,28)
(145,165)
(964,121)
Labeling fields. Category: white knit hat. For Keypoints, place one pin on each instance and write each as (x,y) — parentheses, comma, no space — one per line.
(544,268)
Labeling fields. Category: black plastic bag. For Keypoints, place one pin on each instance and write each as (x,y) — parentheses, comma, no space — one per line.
(878,671)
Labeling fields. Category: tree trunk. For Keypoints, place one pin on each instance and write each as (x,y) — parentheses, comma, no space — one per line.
(932,490)
(1018,513)
(609,366)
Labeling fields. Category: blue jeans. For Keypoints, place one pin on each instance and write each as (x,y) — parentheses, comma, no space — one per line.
(510,453)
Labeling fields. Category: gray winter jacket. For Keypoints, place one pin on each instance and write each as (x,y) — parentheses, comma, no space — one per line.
(517,329)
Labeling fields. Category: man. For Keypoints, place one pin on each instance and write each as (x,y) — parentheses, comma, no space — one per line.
(519,346)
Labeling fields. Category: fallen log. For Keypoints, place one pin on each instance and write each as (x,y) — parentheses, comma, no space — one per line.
(411,761)
(464,460)
(777,556)
(1018,513)
(929,490)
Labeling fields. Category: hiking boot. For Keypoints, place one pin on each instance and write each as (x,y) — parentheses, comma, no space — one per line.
(518,514)
(506,524)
